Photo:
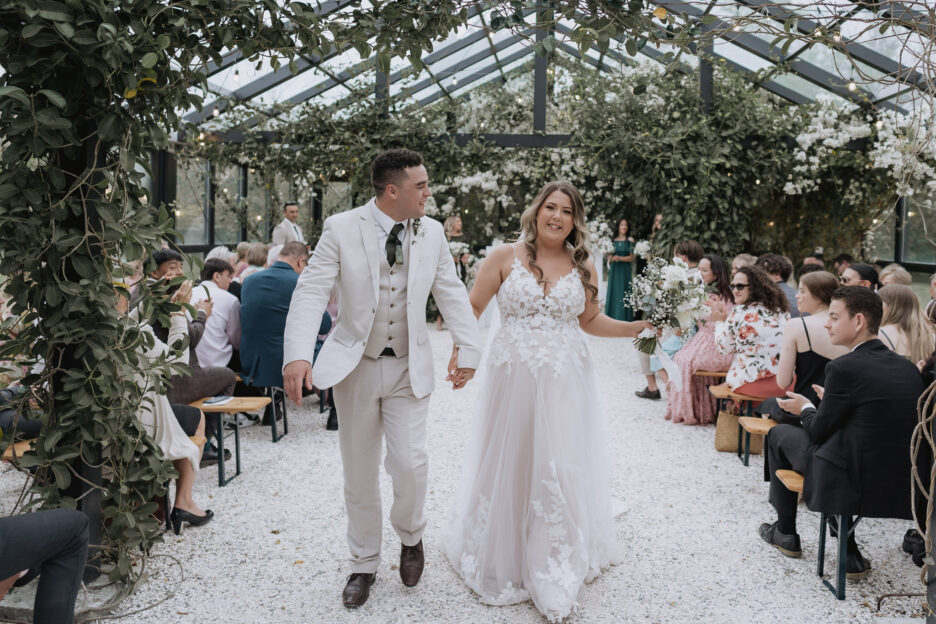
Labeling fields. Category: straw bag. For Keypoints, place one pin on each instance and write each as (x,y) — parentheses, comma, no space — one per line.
(726,435)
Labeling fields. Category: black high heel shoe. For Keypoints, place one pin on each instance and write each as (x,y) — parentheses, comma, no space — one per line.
(178,516)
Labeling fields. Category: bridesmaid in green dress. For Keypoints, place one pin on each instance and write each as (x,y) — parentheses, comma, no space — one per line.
(619,274)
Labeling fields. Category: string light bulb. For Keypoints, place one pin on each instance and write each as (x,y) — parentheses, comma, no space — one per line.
(259,217)
(852,86)
(737,26)
(215,111)
(236,76)
(178,213)
(879,124)
(837,37)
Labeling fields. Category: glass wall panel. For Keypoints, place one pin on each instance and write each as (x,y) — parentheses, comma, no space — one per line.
(920,233)
(258,209)
(227,205)
(882,247)
(191,200)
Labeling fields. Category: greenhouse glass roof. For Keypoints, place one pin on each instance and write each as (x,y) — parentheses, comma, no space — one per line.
(866,66)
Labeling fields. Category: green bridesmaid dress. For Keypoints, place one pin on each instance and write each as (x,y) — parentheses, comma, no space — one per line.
(619,283)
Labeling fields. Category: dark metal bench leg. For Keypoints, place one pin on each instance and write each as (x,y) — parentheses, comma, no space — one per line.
(219,436)
(820,566)
(277,407)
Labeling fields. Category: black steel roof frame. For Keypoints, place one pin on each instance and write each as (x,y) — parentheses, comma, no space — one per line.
(869,57)
(758,47)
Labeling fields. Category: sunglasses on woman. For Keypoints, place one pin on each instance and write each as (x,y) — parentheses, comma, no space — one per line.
(739,286)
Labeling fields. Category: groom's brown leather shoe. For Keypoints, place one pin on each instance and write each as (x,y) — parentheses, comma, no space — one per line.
(358,589)
(411,563)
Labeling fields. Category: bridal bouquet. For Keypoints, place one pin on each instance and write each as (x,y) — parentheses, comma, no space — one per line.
(458,249)
(669,299)
(599,238)
(642,249)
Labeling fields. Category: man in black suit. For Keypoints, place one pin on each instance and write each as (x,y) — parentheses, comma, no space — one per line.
(854,451)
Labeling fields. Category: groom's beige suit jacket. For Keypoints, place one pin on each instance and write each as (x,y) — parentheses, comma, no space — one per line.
(347,253)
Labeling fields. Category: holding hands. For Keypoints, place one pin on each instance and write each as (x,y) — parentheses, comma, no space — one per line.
(458,376)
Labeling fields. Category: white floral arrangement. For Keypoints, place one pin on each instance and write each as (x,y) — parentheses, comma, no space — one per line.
(599,238)
(458,248)
(669,298)
(642,249)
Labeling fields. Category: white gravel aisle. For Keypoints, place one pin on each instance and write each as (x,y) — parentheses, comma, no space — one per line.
(276,551)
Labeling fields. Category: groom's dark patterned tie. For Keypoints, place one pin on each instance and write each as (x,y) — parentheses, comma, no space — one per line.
(393,242)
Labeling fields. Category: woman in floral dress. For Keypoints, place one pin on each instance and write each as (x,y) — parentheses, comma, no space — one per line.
(693,404)
(621,264)
(753,333)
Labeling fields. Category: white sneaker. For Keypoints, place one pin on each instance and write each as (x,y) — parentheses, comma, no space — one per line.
(240,420)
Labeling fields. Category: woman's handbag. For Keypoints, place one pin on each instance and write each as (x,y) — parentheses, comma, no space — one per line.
(726,435)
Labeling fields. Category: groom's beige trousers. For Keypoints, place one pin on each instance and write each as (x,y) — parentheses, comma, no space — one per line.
(377,398)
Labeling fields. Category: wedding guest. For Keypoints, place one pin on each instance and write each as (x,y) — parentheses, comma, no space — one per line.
(779,270)
(693,405)
(651,391)
(931,306)
(742,260)
(168,425)
(288,229)
(52,545)
(453,227)
(621,264)
(752,331)
(814,259)
(222,253)
(223,327)
(854,450)
(256,260)
(806,346)
(842,262)
(168,264)
(860,274)
(905,328)
(691,253)
(264,305)
(810,268)
(895,274)
(241,251)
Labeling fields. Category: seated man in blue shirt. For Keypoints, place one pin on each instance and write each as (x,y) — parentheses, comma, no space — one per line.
(265,298)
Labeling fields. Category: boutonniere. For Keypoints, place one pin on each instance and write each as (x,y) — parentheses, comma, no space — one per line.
(416,230)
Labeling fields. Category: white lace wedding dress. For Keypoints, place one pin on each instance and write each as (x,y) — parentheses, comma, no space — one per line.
(533,515)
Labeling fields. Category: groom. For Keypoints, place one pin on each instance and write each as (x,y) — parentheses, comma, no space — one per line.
(386,257)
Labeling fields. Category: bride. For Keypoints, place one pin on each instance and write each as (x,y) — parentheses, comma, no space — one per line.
(533,515)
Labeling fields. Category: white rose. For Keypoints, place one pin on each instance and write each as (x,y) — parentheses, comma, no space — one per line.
(673,276)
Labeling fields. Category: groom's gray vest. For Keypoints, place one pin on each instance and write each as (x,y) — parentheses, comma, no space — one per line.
(390,328)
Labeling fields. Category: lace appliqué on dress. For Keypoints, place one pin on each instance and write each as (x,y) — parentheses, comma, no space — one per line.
(539,329)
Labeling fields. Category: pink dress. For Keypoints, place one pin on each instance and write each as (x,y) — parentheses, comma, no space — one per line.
(693,405)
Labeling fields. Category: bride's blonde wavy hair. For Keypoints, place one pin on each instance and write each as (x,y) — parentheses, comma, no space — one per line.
(577,238)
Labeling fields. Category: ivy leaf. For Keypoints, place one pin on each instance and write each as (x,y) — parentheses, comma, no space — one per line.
(54,96)
(55,11)
(16,93)
(149,60)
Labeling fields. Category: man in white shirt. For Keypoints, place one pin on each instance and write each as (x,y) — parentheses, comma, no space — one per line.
(223,328)
(288,229)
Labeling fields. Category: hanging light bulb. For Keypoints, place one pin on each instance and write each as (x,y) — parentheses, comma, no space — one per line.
(852,86)
(879,124)
(837,37)
(236,76)
(259,217)
(454,81)
(737,26)
(215,111)
(423,120)
(757,181)
(178,213)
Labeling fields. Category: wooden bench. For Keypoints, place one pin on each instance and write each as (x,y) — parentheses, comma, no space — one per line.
(752,425)
(793,481)
(723,394)
(712,374)
(236,404)
(16,450)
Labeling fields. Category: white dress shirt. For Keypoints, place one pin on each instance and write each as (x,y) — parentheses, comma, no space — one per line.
(222,329)
(384,224)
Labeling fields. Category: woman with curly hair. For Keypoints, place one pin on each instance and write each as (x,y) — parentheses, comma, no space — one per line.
(753,332)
